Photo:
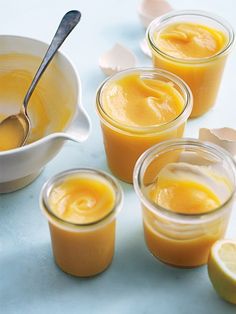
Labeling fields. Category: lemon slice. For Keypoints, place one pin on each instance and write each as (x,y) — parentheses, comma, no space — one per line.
(222,269)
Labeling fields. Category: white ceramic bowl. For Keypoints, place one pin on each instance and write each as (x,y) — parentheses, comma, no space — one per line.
(19,167)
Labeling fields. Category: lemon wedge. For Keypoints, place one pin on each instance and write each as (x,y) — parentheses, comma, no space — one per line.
(222,269)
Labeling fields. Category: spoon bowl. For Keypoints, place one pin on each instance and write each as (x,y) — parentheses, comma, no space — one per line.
(17,127)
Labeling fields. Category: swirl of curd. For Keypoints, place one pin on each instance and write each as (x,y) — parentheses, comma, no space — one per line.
(190,40)
(140,102)
(82,199)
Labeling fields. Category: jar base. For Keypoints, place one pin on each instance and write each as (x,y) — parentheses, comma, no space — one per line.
(128,181)
(175,265)
(83,276)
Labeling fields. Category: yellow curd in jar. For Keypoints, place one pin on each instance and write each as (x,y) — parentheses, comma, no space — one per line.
(82,200)
(188,50)
(133,109)
(188,190)
(50,107)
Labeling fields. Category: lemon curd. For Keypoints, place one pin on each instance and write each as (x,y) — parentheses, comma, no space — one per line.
(82,238)
(136,109)
(190,40)
(182,195)
(49,108)
(195,51)
(82,199)
(189,190)
(139,102)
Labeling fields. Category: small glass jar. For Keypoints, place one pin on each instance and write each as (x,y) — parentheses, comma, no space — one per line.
(184,239)
(82,249)
(123,143)
(203,75)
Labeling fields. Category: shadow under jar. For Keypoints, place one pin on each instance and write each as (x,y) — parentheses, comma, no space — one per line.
(194,45)
(81,206)
(186,188)
(137,109)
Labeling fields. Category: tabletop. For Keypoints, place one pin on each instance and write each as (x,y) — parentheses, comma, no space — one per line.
(30,282)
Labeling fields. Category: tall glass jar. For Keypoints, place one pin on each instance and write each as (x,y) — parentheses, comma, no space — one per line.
(184,239)
(124,143)
(203,75)
(82,249)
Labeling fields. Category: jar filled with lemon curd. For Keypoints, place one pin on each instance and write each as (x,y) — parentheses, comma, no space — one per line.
(186,201)
(81,206)
(194,45)
(137,109)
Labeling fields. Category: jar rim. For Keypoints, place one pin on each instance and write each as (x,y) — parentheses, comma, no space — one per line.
(147,157)
(179,13)
(183,116)
(50,184)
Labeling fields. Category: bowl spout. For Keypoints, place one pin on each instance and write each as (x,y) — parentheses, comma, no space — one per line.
(79,129)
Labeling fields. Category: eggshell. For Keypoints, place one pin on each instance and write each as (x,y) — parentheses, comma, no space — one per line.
(224,137)
(116,59)
(150,9)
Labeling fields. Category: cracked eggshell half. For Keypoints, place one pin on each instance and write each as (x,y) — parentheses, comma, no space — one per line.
(116,59)
(150,9)
(224,137)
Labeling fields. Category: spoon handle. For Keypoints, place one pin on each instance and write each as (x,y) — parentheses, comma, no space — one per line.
(67,24)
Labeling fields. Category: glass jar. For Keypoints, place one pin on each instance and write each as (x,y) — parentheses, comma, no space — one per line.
(123,143)
(82,249)
(203,75)
(184,239)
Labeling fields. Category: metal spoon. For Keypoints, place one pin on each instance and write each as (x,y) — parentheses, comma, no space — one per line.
(21,120)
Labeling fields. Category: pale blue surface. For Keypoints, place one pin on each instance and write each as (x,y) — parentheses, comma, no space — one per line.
(135,283)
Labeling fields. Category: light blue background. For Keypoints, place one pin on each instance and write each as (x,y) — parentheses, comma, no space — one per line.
(135,283)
